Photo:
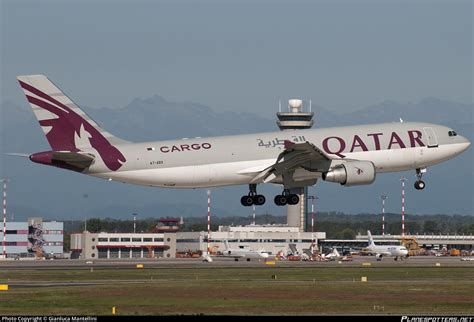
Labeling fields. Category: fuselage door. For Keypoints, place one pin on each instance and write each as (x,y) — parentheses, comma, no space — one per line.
(431,139)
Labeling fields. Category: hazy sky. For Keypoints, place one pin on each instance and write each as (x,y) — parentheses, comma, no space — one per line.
(241,55)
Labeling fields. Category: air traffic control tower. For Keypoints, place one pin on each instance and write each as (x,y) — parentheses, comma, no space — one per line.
(296,119)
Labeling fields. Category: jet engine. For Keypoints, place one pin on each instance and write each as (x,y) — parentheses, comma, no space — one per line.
(351,173)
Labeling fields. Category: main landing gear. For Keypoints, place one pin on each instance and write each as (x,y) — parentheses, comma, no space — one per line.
(252,198)
(286,198)
(419,184)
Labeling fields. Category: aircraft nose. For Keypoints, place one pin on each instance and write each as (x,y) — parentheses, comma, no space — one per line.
(464,144)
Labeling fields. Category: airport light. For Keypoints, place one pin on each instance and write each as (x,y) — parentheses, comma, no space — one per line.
(383,197)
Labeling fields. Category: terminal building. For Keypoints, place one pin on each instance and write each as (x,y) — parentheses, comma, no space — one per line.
(33,238)
(160,243)
(270,238)
(88,245)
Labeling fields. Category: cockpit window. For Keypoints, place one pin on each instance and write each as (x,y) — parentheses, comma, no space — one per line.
(452,133)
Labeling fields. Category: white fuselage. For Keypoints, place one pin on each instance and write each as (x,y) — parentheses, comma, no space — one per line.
(80,144)
(388,251)
(234,160)
(244,253)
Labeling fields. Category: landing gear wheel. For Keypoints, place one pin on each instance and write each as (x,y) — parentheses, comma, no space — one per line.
(258,200)
(252,198)
(419,185)
(293,199)
(280,200)
(246,201)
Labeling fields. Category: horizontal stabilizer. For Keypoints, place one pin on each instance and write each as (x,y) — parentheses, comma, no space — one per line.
(76,161)
(79,160)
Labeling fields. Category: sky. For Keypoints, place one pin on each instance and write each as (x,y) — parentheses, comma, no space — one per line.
(241,55)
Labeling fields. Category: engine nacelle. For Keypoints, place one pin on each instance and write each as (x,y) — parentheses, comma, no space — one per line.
(352,173)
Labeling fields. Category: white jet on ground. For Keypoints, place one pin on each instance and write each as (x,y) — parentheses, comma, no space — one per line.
(350,155)
(395,251)
(242,253)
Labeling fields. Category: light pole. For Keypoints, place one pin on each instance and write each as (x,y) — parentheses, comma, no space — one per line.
(4,243)
(134,222)
(253,215)
(208,221)
(84,211)
(403,179)
(312,219)
(383,197)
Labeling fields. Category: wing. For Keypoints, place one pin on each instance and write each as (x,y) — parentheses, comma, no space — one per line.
(296,166)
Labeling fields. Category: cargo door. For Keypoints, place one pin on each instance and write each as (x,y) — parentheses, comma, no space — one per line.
(432,141)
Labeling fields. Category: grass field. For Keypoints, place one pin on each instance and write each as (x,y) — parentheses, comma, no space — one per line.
(248,290)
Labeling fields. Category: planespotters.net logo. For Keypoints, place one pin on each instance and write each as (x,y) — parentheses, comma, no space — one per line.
(437,319)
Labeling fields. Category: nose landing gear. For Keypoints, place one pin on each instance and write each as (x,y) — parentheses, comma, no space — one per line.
(419,184)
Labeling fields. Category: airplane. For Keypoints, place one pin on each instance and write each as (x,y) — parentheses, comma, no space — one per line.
(242,252)
(350,156)
(395,251)
(332,256)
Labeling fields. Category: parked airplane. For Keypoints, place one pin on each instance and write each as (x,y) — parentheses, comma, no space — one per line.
(334,255)
(331,256)
(243,252)
(350,155)
(395,251)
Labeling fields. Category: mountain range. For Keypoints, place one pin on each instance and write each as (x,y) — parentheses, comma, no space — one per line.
(36,190)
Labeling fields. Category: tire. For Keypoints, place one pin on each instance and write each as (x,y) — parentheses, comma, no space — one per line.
(420,185)
(246,201)
(293,199)
(259,200)
(280,200)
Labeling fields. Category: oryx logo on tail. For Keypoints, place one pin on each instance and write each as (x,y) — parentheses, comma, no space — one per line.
(66,126)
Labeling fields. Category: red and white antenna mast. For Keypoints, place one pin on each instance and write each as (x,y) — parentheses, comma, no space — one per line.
(403,179)
(383,197)
(4,242)
(253,215)
(313,198)
(208,221)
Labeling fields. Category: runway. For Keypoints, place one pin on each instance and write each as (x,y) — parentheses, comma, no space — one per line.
(187,286)
(419,261)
